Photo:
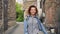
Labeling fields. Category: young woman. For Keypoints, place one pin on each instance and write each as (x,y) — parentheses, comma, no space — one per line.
(32,25)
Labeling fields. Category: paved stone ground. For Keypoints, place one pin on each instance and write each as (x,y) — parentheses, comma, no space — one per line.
(18,29)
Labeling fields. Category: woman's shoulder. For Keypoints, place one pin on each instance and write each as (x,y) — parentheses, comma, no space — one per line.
(37,17)
(26,17)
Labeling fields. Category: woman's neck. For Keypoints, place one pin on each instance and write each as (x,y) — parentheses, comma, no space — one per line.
(33,15)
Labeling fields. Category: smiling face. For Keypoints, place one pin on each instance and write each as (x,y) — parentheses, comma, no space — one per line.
(33,11)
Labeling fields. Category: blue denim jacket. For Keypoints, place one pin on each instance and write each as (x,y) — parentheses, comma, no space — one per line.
(41,26)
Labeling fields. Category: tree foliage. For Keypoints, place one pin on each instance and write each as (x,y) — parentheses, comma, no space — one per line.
(19,13)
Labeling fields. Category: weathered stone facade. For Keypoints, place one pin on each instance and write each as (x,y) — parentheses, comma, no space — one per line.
(51,11)
(0,13)
(58,15)
(11,13)
(1,17)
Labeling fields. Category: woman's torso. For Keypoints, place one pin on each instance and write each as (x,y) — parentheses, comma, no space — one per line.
(33,25)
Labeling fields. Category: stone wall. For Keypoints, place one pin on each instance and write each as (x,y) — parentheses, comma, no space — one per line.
(0,13)
(58,15)
(50,11)
(11,13)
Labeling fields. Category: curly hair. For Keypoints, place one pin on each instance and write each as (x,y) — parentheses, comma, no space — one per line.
(30,9)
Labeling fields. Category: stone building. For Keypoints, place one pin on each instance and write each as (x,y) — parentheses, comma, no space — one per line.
(7,14)
(11,12)
(52,11)
(0,12)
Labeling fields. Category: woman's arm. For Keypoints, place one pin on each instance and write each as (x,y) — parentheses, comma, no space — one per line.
(25,27)
(43,29)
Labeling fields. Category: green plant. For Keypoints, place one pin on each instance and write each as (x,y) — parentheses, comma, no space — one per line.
(19,13)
